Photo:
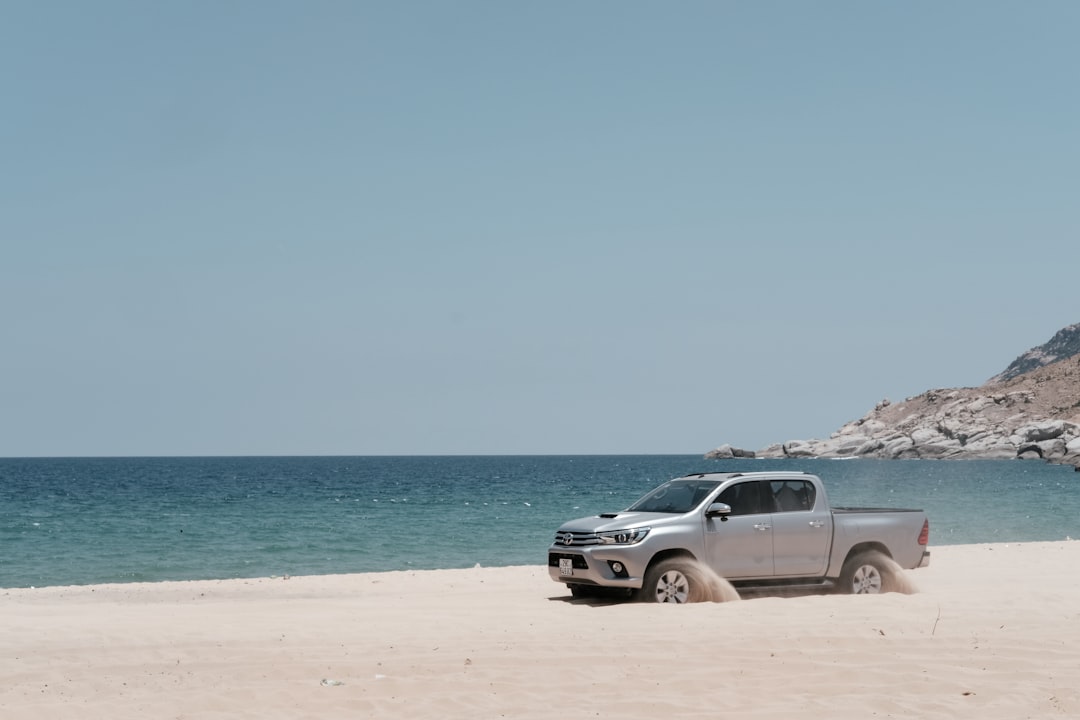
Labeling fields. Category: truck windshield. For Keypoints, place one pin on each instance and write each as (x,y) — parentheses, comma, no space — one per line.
(676,496)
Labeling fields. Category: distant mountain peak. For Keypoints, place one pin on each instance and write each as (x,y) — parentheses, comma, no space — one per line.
(1064,344)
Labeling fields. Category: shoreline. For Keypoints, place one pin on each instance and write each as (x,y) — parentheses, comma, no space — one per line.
(262,579)
(244,585)
(992,630)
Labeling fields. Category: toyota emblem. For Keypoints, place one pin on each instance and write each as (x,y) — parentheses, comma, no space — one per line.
(568,539)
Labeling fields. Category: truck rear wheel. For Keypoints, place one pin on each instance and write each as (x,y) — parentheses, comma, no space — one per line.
(673,581)
(868,573)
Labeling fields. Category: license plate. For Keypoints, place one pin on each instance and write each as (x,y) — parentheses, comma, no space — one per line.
(566,566)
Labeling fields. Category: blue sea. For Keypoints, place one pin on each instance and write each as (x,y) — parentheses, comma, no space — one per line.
(75,521)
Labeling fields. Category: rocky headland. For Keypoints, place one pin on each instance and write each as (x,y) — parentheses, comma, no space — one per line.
(1031,410)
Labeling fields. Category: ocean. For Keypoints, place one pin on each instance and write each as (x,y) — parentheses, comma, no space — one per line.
(77,521)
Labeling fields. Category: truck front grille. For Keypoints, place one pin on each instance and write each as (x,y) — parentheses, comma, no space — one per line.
(572,539)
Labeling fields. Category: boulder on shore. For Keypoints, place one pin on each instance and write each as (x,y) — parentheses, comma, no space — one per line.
(725,452)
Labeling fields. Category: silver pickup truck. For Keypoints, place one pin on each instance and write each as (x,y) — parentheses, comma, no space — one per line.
(755,529)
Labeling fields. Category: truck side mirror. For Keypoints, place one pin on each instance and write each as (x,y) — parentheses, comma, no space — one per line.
(720,510)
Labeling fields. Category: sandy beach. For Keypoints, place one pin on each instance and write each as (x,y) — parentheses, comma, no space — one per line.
(993,631)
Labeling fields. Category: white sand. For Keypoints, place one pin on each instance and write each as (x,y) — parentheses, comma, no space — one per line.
(994,632)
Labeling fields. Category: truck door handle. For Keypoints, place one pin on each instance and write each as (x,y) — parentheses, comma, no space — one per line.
(816,523)
(763,527)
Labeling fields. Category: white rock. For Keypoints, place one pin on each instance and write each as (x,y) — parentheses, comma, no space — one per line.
(1037,432)
(923,436)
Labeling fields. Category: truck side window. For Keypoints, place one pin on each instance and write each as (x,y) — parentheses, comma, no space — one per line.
(745,498)
(792,495)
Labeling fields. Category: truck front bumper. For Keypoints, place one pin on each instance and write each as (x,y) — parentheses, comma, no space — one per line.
(603,567)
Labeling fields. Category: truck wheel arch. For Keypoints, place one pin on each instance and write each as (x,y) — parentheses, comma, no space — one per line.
(680,553)
(865,548)
(667,555)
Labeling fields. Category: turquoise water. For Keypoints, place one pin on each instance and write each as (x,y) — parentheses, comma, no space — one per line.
(93,520)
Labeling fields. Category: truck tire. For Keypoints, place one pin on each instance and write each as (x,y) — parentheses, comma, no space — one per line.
(868,573)
(676,580)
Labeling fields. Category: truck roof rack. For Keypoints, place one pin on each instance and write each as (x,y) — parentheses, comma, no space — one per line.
(743,474)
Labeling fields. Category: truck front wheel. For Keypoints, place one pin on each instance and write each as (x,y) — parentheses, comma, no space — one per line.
(868,573)
(673,581)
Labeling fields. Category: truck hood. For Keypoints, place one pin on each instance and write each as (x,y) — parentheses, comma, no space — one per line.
(618,521)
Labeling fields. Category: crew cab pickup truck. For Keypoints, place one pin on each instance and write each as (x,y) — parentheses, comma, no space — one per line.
(754,529)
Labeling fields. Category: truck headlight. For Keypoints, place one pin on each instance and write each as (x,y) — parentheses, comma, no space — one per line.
(623,537)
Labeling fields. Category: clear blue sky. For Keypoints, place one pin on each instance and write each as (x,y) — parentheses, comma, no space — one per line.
(314,227)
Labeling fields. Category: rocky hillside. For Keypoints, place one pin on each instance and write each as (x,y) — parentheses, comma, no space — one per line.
(1030,410)
(1065,344)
